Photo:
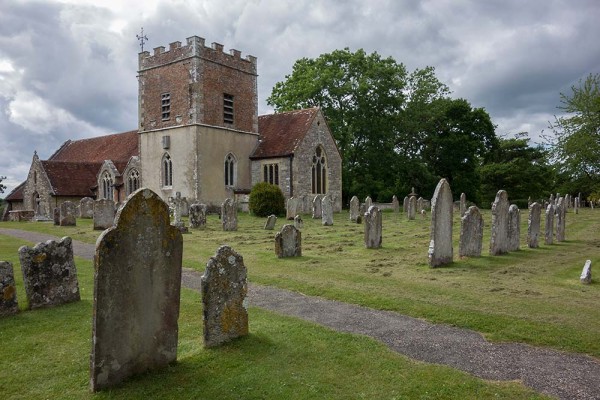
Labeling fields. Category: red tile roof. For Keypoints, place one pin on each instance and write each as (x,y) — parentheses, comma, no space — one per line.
(72,178)
(16,194)
(280,133)
(115,147)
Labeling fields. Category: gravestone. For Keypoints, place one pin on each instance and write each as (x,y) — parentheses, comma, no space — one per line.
(224,287)
(327,211)
(8,290)
(463,204)
(298,222)
(471,233)
(514,228)
(56,216)
(440,244)
(561,215)
(420,205)
(177,203)
(499,238)
(136,292)
(229,215)
(586,274)
(395,204)
(528,202)
(354,209)
(373,222)
(270,224)
(291,208)
(288,242)
(86,208)
(549,231)
(104,214)
(412,207)
(533,225)
(198,216)
(185,207)
(67,214)
(551,200)
(405,205)
(576,205)
(317,211)
(49,273)
(368,203)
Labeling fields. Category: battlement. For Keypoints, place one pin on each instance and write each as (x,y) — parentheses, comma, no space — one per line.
(195,47)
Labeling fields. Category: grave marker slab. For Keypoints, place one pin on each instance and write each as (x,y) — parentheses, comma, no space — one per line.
(586,274)
(327,207)
(68,211)
(354,208)
(463,204)
(291,208)
(288,242)
(298,223)
(104,214)
(56,216)
(229,215)
(440,244)
(412,207)
(561,216)
(533,225)
(317,211)
(549,231)
(373,228)
(198,216)
(471,233)
(499,237)
(395,204)
(270,224)
(8,290)
(514,227)
(86,208)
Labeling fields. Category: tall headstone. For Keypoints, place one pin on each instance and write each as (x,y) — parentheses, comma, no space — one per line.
(86,208)
(49,273)
(67,214)
(405,205)
(463,204)
(8,290)
(104,214)
(298,223)
(440,244)
(420,204)
(549,231)
(412,207)
(317,211)
(471,233)
(354,209)
(229,215)
(373,228)
(270,223)
(137,281)
(198,216)
(177,206)
(533,225)
(185,207)
(561,216)
(327,211)
(224,287)
(368,203)
(288,242)
(586,274)
(551,200)
(499,237)
(576,205)
(56,216)
(291,208)
(395,204)
(514,228)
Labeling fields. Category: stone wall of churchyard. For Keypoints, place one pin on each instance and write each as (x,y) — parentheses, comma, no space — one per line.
(283,166)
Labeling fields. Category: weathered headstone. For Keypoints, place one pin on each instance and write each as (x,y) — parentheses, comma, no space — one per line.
(270,223)
(317,211)
(198,216)
(136,292)
(288,242)
(177,204)
(561,216)
(68,214)
(185,207)
(291,208)
(440,244)
(298,223)
(327,211)
(586,274)
(104,214)
(412,207)
(533,225)
(549,231)
(368,203)
(8,290)
(224,287)
(499,238)
(373,228)
(354,208)
(49,273)
(229,215)
(420,205)
(395,204)
(551,199)
(514,228)
(576,205)
(471,233)
(463,204)
(405,205)
(56,216)
(86,208)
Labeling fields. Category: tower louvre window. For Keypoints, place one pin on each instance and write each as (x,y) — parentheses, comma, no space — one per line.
(165,105)
(228,108)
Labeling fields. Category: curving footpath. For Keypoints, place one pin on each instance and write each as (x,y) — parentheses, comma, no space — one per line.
(560,374)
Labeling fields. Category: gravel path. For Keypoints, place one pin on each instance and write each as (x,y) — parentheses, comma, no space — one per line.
(560,374)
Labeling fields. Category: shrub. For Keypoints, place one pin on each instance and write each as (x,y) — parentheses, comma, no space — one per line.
(266,199)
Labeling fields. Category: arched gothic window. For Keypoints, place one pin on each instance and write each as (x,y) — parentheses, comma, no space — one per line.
(319,171)
(107,186)
(230,170)
(133,181)
(167,170)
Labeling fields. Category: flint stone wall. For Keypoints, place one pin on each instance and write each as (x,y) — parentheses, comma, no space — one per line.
(471,233)
(533,225)
(104,214)
(68,212)
(499,238)
(198,216)
(229,215)
(288,242)
(373,228)
(440,244)
(8,290)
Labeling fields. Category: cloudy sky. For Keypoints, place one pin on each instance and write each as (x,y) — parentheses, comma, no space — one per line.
(68,68)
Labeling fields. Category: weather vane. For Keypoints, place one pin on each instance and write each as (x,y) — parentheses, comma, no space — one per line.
(142,38)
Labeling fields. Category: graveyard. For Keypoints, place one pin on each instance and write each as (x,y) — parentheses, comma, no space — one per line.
(531,296)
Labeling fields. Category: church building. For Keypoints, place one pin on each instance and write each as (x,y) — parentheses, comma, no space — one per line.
(199,134)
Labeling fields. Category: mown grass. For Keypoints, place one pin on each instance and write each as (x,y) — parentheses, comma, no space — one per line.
(45,355)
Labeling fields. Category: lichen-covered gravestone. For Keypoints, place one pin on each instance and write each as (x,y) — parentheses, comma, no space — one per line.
(354,209)
(198,216)
(327,211)
(288,242)
(49,273)
(86,208)
(229,215)
(368,203)
(549,231)
(471,233)
(298,223)
(373,228)
(499,237)
(317,211)
(395,204)
(586,274)
(8,290)
(533,225)
(514,227)
(270,224)
(440,243)
(412,207)
(137,282)
(68,214)
(463,204)
(104,214)
(405,205)
(224,288)
(561,215)
(420,203)
(291,209)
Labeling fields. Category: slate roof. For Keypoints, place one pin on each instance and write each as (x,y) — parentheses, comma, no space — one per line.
(115,147)
(280,133)
(72,178)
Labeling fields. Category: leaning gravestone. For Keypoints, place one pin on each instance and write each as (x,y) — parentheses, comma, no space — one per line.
(586,274)
(49,273)
(316,207)
(412,207)
(354,208)
(533,225)
(56,216)
(104,214)
(463,204)
(561,214)
(514,227)
(499,237)
(198,216)
(136,292)
(288,242)
(549,231)
(229,215)
(86,208)
(471,233)
(270,223)
(224,287)
(67,214)
(395,204)
(291,209)
(327,211)
(8,290)
(440,244)
(373,224)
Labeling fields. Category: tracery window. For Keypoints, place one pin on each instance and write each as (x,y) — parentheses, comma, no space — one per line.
(167,170)
(133,181)
(271,173)
(319,171)
(230,170)
(107,186)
